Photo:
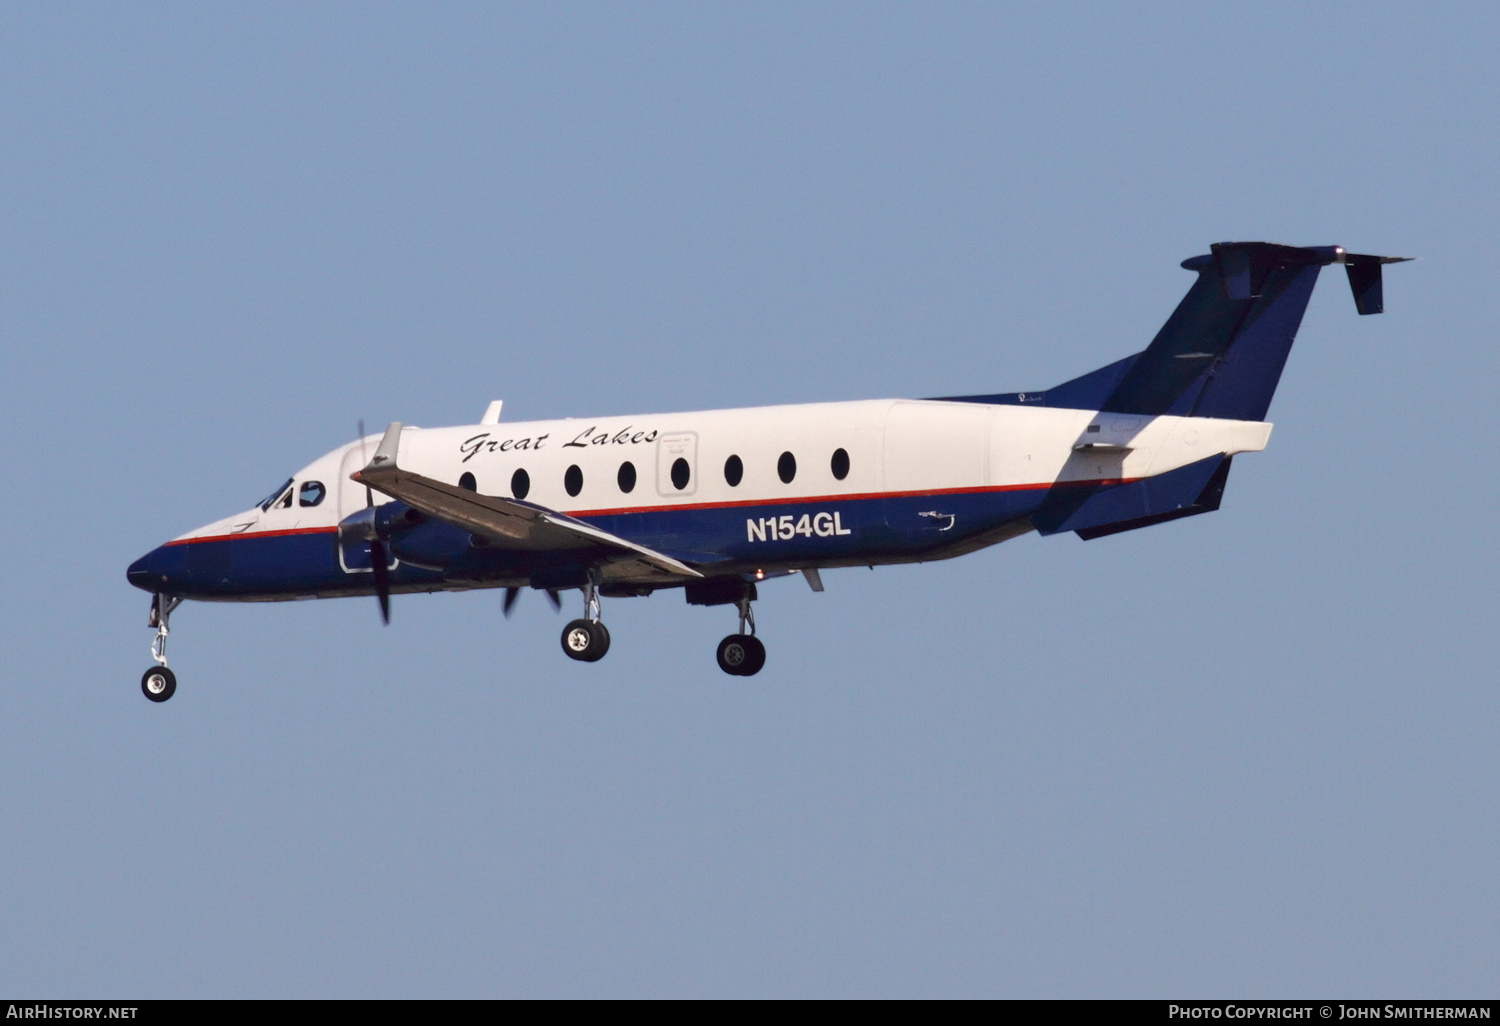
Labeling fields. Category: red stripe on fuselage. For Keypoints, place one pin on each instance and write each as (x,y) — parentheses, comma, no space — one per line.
(254,534)
(849,497)
(789,501)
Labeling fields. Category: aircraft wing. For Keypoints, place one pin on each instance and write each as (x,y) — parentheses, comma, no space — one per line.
(510,523)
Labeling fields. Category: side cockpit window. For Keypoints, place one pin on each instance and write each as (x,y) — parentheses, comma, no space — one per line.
(311,493)
(280,498)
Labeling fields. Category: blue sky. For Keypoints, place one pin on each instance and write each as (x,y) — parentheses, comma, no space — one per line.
(1247,754)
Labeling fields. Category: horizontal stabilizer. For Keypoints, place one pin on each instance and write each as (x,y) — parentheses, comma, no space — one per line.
(1364,280)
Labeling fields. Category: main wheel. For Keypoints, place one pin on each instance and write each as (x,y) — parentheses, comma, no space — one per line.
(756,653)
(159,684)
(585,640)
(601,641)
(741,655)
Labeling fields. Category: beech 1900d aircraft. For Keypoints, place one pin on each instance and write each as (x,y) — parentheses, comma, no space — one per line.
(716,501)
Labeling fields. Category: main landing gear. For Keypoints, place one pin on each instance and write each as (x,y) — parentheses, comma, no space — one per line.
(160,683)
(739,655)
(587,639)
(742,654)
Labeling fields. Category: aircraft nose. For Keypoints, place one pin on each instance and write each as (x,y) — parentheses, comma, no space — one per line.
(150,572)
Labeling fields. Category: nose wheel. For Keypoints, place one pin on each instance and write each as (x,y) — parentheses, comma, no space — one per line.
(587,639)
(160,683)
(742,654)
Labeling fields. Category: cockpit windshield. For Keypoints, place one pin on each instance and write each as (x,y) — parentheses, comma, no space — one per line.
(265,503)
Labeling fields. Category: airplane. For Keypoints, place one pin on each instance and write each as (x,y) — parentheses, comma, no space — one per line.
(715,502)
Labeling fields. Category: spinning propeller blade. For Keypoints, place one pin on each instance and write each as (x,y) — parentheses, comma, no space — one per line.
(382,579)
(511,594)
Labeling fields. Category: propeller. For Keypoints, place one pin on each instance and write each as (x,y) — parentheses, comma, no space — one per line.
(512,594)
(382,579)
(378,561)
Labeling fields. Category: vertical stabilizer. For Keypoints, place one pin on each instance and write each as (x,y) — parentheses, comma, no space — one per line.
(1221,352)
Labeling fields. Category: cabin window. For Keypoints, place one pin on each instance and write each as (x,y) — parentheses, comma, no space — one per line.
(626,476)
(573,480)
(734,471)
(520,483)
(786,467)
(839,464)
(266,503)
(681,473)
(311,493)
(467,482)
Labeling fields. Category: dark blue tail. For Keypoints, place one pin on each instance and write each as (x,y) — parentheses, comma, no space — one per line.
(1221,352)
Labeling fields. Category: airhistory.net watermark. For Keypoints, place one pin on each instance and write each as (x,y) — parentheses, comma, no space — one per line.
(45,1010)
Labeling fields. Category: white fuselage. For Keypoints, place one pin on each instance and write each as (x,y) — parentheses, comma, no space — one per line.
(895,449)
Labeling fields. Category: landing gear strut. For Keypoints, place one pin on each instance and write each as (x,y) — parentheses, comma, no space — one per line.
(742,654)
(160,683)
(588,639)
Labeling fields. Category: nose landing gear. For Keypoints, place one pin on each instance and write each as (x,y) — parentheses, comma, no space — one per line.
(160,683)
(587,639)
(742,654)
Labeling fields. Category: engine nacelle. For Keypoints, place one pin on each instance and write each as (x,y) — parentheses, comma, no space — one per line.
(431,544)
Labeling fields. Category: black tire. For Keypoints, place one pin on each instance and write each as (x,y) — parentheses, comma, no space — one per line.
(601,641)
(757,656)
(585,640)
(158,683)
(741,655)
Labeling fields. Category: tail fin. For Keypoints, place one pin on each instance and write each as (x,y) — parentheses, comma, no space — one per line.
(1221,352)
